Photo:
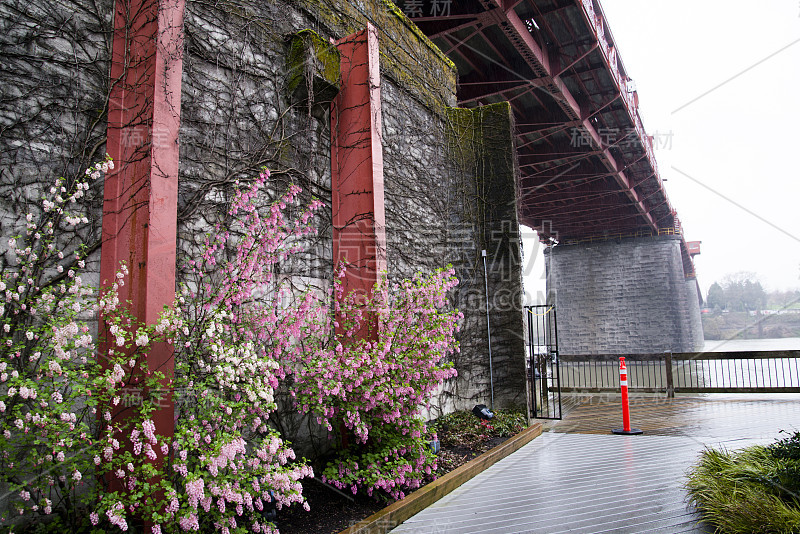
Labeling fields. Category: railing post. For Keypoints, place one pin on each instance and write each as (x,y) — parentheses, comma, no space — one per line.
(668,365)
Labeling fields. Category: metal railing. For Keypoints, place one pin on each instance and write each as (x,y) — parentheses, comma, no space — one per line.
(670,373)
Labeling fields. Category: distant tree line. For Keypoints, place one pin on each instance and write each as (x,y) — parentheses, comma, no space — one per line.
(738,296)
(733,301)
(743,292)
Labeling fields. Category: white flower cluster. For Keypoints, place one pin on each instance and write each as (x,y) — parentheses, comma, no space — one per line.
(110,300)
(117,375)
(142,339)
(239,367)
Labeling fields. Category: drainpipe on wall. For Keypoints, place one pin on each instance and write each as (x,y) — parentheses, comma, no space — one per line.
(488,326)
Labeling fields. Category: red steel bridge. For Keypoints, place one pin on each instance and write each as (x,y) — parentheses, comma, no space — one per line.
(587,165)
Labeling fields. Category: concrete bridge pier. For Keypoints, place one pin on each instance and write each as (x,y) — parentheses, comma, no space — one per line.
(627,295)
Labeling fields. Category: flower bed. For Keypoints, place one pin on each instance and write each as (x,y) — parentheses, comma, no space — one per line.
(81,449)
(463,437)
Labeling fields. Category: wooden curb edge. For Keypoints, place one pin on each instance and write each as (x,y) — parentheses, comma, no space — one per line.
(393,515)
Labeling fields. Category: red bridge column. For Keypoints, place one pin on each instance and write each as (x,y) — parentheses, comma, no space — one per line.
(359,223)
(141,195)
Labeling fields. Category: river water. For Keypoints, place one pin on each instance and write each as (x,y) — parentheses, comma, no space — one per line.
(738,345)
(789,369)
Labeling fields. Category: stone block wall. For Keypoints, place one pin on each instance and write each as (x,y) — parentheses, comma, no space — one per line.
(693,317)
(239,114)
(436,205)
(622,296)
(485,167)
(53,101)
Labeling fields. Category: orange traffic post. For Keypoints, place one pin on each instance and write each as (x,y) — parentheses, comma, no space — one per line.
(626,416)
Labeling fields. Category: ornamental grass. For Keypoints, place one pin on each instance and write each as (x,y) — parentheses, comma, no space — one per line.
(755,489)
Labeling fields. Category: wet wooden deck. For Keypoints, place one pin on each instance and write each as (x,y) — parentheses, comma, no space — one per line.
(577,477)
(724,418)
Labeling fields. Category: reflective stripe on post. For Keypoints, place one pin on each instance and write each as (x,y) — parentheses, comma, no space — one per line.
(626,420)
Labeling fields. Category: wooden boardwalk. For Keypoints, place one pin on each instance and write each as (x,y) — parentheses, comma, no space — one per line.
(577,477)
(726,418)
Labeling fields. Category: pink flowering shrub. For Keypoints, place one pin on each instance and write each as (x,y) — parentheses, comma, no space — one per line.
(56,399)
(224,467)
(68,413)
(390,464)
(127,393)
(228,465)
(375,385)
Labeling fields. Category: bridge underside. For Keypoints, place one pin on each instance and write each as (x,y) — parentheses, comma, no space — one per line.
(587,167)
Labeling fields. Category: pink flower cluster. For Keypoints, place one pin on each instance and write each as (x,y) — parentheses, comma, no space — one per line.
(227,462)
(388,380)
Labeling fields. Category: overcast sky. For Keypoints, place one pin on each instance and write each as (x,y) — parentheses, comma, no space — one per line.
(719,88)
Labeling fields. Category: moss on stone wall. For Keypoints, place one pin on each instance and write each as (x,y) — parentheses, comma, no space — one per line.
(481,140)
(313,67)
(481,143)
(407,56)
(396,11)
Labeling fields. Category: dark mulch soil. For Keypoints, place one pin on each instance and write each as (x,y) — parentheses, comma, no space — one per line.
(332,511)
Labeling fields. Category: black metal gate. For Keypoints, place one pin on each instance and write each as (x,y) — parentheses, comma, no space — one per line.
(543,365)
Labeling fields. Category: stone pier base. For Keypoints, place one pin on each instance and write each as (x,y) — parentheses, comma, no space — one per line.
(623,296)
